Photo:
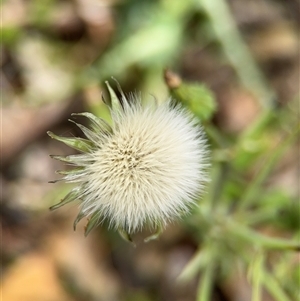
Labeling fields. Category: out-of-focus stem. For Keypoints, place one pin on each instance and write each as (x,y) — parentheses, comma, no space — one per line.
(257,273)
(253,189)
(236,50)
(200,261)
(206,283)
(274,287)
(261,240)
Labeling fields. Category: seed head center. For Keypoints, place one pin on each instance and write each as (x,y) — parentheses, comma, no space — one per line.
(126,154)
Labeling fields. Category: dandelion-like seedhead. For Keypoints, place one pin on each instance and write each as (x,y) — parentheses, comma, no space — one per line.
(148,168)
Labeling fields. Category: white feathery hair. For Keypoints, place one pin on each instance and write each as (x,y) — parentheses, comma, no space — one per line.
(149,169)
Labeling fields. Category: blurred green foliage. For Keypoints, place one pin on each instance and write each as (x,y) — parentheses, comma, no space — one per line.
(242,222)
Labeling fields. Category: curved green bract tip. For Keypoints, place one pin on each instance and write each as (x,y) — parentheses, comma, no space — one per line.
(93,138)
(79,160)
(79,217)
(155,235)
(71,196)
(125,235)
(97,123)
(79,144)
(115,102)
(92,223)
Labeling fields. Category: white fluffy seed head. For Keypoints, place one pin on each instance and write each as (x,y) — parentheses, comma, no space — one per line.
(149,170)
(145,170)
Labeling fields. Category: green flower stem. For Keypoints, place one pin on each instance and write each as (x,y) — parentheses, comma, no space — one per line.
(274,287)
(257,274)
(200,260)
(253,191)
(236,50)
(261,240)
(251,218)
(206,283)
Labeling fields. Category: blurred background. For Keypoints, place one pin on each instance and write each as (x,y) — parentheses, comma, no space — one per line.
(55,57)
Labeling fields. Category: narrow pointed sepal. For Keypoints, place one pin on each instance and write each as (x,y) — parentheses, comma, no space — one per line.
(97,123)
(79,217)
(87,132)
(71,196)
(80,144)
(79,160)
(92,223)
(55,181)
(114,100)
(60,158)
(69,172)
(155,235)
(120,89)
